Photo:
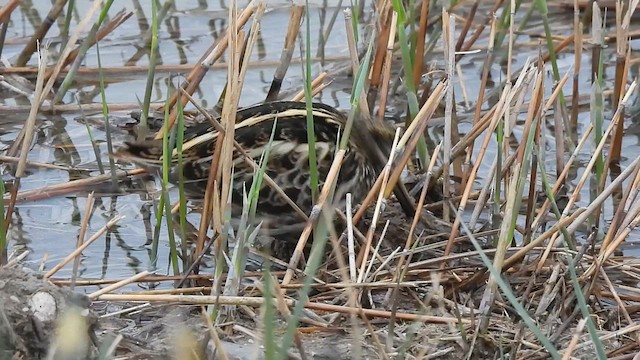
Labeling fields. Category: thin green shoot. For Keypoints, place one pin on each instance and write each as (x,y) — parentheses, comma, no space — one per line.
(94,145)
(571,244)
(355,18)
(407,64)
(64,32)
(151,73)
(69,78)
(182,197)
(167,162)
(269,315)
(105,114)
(308,93)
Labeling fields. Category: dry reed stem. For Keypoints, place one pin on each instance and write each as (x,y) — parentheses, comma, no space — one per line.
(383,40)
(467,25)
(83,232)
(315,83)
(118,285)
(182,290)
(479,102)
(50,191)
(386,67)
(199,70)
(617,299)
(287,52)
(520,254)
(229,110)
(412,134)
(38,36)
(214,335)
(81,248)
(489,18)
(68,48)
(355,60)
(25,137)
(420,41)
(105,30)
(497,114)
(70,108)
(542,211)
(12,159)
(122,71)
(586,174)
(13,261)
(449,29)
(7,9)
(151,278)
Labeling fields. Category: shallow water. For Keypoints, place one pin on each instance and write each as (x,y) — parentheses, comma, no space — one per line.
(48,227)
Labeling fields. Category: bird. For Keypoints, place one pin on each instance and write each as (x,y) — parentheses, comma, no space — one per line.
(287,164)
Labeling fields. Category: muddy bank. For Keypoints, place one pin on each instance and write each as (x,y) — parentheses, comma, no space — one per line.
(30,311)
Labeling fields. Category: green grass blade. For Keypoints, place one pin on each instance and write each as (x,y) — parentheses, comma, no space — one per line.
(105,114)
(311,136)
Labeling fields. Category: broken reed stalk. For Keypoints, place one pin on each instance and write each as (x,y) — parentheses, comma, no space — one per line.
(489,18)
(89,71)
(81,248)
(29,127)
(23,141)
(64,108)
(386,67)
(229,109)
(420,42)
(118,285)
(287,52)
(32,45)
(355,61)
(383,23)
(332,176)
(7,9)
(211,200)
(407,145)
(621,73)
(46,192)
(202,67)
(317,85)
(83,231)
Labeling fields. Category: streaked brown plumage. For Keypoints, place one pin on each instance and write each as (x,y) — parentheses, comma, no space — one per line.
(288,163)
